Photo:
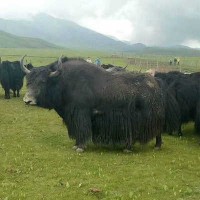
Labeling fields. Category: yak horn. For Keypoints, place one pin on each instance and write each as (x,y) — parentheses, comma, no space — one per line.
(125,67)
(24,69)
(60,63)
(59,67)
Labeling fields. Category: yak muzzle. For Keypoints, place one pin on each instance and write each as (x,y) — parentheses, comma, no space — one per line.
(28,99)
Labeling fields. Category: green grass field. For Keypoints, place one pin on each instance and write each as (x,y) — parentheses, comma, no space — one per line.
(37,161)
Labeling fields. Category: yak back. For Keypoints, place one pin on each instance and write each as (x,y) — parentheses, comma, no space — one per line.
(170,76)
(85,83)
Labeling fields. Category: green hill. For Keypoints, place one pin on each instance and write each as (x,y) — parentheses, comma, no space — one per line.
(8,40)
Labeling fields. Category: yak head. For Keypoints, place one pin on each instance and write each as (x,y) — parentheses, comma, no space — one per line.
(41,81)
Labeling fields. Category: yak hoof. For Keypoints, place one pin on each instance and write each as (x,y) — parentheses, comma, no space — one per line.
(79,150)
(74,147)
(157,148)
(127,151)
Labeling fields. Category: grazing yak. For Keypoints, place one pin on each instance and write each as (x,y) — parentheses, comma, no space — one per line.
(112,68)
(97,105)
(11,77)
(186,90)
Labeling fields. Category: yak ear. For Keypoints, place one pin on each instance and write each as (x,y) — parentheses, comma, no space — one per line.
(58,70)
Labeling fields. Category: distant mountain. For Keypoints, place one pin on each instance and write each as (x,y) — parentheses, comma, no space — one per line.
(138,46)
(171,51)
(8,40)
(61,32)
(178,46)
(68,34)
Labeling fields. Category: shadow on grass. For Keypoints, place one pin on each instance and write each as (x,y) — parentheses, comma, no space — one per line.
(189,133)
(62,141)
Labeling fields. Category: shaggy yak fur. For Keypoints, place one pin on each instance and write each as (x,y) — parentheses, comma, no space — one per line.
(186,90)
(11,77)
(97,105)
(172,110)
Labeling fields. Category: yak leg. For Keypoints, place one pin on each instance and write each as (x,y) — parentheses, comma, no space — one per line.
(18,93)
(129,144)
(180,131)
(170,133)
(79,128)
(7,94)
(128,148)
(197,118)
(14,93)
(158,142)
(129,138)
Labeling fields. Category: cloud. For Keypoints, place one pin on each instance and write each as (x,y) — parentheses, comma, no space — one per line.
(163,22)
(21,8)
(152,22)
(192,43)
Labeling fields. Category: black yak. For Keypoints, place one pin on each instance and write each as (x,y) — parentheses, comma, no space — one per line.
(112,68)
(97,105)
(186,90)
(11,77)
(172,109)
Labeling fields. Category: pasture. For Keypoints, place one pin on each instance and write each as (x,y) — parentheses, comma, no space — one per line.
(37,160)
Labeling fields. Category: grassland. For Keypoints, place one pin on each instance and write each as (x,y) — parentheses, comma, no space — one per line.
(40,57)
(37,160)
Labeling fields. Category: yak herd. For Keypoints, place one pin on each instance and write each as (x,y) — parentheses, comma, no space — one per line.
(108,105)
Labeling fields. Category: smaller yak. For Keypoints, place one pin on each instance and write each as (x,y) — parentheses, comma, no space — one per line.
(186,90)
(11,77)
(112,68)
(96,105)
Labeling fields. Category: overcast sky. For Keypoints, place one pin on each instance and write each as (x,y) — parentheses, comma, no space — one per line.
(152,22)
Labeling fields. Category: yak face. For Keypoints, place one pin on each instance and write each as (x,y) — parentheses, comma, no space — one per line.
(42,84)
(37,86)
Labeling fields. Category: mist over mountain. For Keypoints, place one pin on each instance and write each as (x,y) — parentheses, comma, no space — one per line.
(61,32)
(68,34)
